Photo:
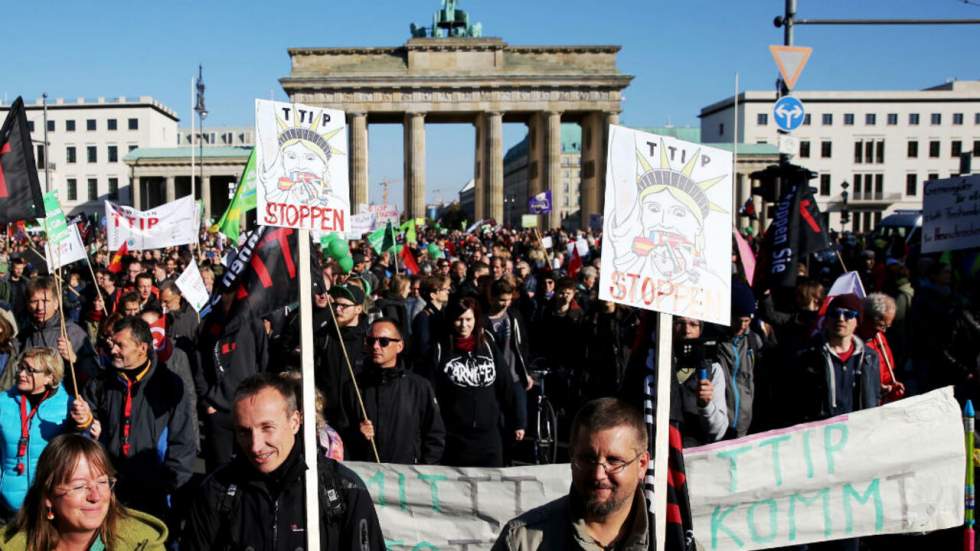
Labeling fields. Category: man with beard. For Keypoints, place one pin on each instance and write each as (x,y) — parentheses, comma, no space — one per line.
(605,508)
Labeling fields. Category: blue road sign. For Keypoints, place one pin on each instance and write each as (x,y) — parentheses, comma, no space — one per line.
(788,113)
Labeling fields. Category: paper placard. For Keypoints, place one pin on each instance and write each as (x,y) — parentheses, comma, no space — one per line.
(529,220)
(951,214)
(192,287)
(169,225)
(546,242)
(71,249)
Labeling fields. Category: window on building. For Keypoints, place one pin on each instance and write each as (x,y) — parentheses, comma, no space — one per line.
(913,119)
(879,186)
(39,157)
(721,129)
(976,148)
(848,119)
(827,119)
(857,186)
(30,126)
(111,124)
(91,154)
(70,125)
(113,189)
(50,126)
(892,119)
(935,119)
(93,189)
(90,124)
(762,119)
(910,185)
(132,147)
(113,154)
(933,176)
(825,184)
(806,119)
(134,124)
(805,149)
(958,119)
(72,185)
(976,118)
(70,154)
(955,149)
(880,151)
(858,152)
(913,152)
(934,149)
(825,149)
(869,151)
(870,119)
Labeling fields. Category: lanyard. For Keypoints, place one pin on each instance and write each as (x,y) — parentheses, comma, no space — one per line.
(25,428)
(127,415)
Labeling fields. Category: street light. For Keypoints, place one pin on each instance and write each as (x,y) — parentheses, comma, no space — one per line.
(845,215)
(202,113)
(509,201)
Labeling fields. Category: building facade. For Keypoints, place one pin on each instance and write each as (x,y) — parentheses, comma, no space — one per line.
(883,144)
(88,139)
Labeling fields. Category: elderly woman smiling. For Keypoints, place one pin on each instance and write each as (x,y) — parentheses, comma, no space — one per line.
(71,505)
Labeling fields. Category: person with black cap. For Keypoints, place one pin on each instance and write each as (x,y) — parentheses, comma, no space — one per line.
(331,372)
(738,355)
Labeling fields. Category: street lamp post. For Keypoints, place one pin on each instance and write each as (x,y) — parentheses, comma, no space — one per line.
(202,113)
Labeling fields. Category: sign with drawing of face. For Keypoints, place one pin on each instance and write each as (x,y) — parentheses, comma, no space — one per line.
(667,226)
(301,166)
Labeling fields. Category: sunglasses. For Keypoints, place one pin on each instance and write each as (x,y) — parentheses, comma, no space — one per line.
(846,313)
(383,341)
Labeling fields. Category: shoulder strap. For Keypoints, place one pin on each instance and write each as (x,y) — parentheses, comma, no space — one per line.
(228,506)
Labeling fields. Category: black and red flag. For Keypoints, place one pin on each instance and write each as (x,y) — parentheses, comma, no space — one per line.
(20,189)
(796,231)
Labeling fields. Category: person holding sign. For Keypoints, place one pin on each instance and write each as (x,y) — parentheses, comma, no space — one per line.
(606,508)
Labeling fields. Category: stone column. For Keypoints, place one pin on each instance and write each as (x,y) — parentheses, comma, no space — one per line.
(135,190)
(494,156)
(358,159)
(479,174)
(171,189)
(414,165)
(592,173)
(553,168)
(206,197)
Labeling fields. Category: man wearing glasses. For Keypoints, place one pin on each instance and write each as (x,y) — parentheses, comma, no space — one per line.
(332,354)
(403,415)
(605,508)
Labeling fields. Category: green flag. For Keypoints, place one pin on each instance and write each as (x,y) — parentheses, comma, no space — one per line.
(242,202)
(408,228)
(55,224)
(382,239)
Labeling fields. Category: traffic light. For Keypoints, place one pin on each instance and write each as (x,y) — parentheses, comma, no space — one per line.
(770,181)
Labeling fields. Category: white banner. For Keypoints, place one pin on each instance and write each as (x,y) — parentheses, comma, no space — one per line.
(170,224)
(302,167)
(72,249)
(361,224)
(951,214)
(898,468)
(191,286)
(667,226)
(384,214)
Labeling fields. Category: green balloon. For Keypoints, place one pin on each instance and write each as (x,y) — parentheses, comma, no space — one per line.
(338,249)
(346,263)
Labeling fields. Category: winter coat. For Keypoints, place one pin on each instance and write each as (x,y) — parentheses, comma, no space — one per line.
(708,423)
(136,531)
(237,508)
(402,406)
(47,334)
(49,421)
(739,357)
(826,386)
(331,373)
(229,351)
(163,449)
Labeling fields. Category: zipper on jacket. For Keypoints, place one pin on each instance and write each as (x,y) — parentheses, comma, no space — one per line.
(275,524)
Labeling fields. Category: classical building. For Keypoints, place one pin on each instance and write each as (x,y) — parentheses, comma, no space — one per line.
(454,76)
(882,144)
(88,139)
(222,136)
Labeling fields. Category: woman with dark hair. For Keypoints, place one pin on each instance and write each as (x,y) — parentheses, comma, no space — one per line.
(71,505)
(473,387)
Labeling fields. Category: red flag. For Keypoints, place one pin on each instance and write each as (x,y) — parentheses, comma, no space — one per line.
(161,344)
(575,263)
(116,265)
(20,189)
(408,261)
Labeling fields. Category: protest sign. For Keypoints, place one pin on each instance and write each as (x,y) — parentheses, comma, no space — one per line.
(893,469)
(71,249)
(302,169)
(582,246)
(55,224)
(529,220)
(169,225)
(191,285)
(384,214)
(361,224)
(951,214)
(667,226)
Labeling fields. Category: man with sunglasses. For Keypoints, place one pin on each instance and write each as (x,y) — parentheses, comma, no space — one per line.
(605,508)
(403,415)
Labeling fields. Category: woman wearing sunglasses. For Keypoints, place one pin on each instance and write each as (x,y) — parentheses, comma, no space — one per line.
(71,505)
(32,412)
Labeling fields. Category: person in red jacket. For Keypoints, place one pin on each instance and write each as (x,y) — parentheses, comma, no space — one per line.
(879,312)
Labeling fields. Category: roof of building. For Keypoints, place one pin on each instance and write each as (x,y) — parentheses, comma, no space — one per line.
(54,104)
(213,152)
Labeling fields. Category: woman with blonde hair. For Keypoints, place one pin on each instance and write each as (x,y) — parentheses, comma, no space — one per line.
(71,505)
(32,412)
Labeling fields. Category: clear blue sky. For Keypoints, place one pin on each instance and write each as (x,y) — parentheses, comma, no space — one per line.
(684,53)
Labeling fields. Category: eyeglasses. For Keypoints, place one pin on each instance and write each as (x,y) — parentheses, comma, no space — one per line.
(103,486)
(383,341)
(615,466)
(31,370)
(847,313)
(342,306)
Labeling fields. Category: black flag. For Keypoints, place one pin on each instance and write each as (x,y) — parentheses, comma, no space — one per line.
(796,231)
(20,190)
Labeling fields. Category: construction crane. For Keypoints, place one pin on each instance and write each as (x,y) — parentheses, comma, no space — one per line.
(385,182)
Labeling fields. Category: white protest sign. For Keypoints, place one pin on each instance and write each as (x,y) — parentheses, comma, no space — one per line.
(191,285)
(302,167)
(667,226)
(72,249)
(951,214)
(361,224)
(892,469)
(384,214)
(582,246)
(170,224)
(546,242)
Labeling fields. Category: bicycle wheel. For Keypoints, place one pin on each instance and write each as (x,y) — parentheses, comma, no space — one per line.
(546,446)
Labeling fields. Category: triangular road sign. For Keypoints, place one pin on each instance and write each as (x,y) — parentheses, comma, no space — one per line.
(790,60)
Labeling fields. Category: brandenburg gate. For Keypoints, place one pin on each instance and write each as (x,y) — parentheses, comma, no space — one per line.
(474,80)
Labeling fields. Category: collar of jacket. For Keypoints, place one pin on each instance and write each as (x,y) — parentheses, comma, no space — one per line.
(291,470)
(858,346)
(123,374)
(54,321)
(375,374)
(637,521)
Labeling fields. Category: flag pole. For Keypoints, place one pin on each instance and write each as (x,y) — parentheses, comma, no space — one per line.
(61,315)
(309,394)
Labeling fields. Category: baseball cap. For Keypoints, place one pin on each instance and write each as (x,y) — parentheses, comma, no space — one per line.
(352,293)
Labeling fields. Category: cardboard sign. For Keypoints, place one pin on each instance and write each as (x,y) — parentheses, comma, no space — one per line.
(384,214)
(951,214)
(302,167)
(55,224)
(361,224)
(667,226)
(170,224)
(546,242)
(529,221)
(191,286)
(69,250)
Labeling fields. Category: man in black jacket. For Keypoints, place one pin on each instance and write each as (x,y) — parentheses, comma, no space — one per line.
(258,501)
(403,415)
(332,353)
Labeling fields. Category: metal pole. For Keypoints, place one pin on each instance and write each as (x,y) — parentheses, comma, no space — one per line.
(200,145)
(193,184)
(887,21)
(47,164)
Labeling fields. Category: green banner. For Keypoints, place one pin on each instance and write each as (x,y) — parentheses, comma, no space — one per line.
(55,224)
(242,202)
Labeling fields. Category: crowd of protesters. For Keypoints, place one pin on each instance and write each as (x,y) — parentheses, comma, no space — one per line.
(436,367)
